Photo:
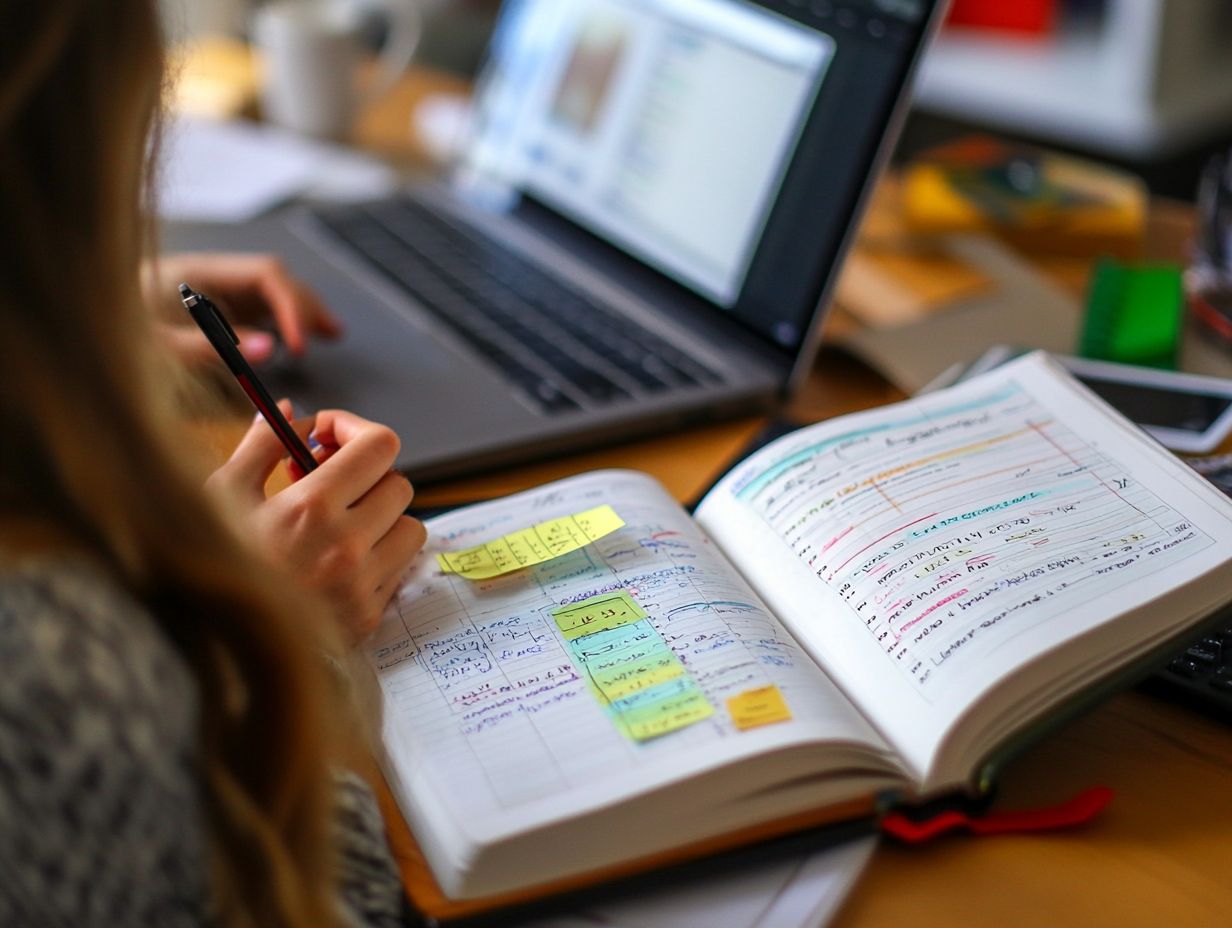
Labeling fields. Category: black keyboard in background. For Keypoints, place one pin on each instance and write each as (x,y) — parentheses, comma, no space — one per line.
(555,343)
(1202,673)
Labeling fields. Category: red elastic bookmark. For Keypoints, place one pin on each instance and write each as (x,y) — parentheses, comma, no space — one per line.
(1081,809)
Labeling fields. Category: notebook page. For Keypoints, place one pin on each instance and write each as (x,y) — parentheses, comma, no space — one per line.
(940,544)
(489,721)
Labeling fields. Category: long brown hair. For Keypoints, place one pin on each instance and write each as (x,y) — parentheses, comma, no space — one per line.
(89,456)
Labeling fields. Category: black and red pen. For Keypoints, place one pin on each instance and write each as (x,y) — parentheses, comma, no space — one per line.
(220,334)
(224,340)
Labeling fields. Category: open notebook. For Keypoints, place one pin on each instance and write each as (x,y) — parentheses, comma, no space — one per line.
(869,608)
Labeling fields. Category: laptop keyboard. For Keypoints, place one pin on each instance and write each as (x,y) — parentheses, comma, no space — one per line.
(562,348)
(1203,671)
(1201,675)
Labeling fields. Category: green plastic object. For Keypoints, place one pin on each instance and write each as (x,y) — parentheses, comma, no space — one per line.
(1134,314)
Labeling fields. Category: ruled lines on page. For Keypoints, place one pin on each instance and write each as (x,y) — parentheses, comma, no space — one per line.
(953,525)
(486,698)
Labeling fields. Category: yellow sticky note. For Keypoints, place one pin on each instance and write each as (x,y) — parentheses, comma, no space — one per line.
(530,546)
(597,614)
(762,706)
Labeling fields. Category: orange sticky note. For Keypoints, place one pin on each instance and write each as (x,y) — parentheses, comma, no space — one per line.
(762,706)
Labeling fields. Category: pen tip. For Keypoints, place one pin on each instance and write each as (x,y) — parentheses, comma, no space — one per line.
(185,290)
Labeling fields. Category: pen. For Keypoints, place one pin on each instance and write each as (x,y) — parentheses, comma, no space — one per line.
(224,340)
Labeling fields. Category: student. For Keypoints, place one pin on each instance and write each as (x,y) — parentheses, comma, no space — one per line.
(173,737)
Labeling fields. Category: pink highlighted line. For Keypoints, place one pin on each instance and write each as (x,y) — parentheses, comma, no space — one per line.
(836,539)
(931,515)
(931,609)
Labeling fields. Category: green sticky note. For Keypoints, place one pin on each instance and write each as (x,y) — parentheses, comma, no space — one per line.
(621,680)
(597,614)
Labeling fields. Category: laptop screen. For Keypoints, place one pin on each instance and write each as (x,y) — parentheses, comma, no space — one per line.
(672,130)
(663,124)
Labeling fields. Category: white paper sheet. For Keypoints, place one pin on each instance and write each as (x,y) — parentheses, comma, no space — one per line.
(803,893)
(224,171)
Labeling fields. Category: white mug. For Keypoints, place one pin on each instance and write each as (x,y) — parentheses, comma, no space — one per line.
(310,52)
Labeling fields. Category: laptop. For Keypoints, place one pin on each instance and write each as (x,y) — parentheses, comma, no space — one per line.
(640,234)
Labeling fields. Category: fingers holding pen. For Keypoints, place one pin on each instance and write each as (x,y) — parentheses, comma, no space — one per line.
(361,454)
(342,527)
(245,473)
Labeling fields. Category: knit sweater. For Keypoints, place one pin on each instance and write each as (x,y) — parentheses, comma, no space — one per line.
(101,806)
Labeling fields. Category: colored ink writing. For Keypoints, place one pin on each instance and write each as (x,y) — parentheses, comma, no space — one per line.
(502,703)
(993,508)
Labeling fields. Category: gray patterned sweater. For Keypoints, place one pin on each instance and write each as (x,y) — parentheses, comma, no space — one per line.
(100,806)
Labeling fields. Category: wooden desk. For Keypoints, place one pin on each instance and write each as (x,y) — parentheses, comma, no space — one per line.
(1160,855)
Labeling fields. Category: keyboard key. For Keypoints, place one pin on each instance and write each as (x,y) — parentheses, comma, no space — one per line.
(1183,667)
(1202,674)
(1202,655)
(482,292)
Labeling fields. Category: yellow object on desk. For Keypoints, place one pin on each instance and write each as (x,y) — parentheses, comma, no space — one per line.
(215,77)
(529,546)
(1034,199)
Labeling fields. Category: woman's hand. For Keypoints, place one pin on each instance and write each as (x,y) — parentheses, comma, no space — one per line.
(250,289)
(341,528)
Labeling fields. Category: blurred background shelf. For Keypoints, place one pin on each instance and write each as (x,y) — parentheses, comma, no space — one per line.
(1146,84)
(1139,79)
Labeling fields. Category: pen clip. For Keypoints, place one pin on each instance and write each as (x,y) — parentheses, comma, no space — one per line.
(193,300)
(224,323)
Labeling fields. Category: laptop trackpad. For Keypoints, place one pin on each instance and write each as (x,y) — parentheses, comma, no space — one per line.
(385,367)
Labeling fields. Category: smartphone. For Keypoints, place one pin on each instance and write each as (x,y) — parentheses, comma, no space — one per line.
(1188,413)
(1184,412)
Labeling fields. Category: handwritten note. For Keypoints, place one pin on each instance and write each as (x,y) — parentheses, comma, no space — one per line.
(962,523)
(762,706)
(630,667)
(597,614)
(502,693)
(529,546)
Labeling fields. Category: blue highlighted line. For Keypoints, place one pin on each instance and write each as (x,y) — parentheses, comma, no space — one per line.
(756,486)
